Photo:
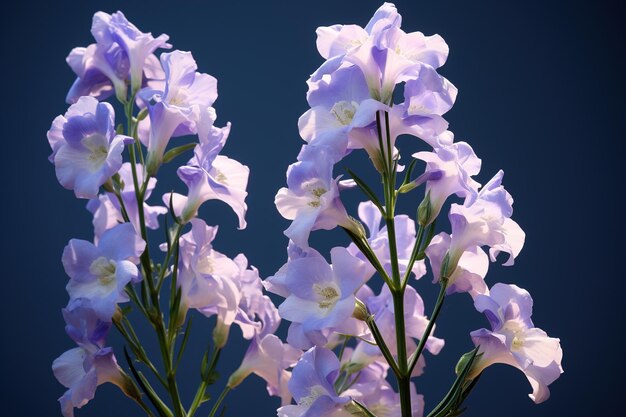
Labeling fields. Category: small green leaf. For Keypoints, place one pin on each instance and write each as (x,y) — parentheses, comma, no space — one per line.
(174,152)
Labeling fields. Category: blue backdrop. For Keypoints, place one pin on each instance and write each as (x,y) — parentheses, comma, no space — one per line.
(541,95)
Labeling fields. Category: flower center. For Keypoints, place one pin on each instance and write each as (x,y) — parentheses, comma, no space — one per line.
(103,269)
(314,393)
(344,111)
(316,190)
(327,296)
(205,265)
(98,151)
(220,177)
(515,334)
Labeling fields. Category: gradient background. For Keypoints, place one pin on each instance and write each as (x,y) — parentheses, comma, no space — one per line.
(541,96)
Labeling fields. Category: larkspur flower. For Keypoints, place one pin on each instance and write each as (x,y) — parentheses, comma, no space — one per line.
(100,273)
(514,340)
(322,296)
(206,276)
(312,386)
(210,176)
(468,276)
(487,221)
(455,163)
(340,102)
(268,358)
(177,110)
(122,54)
(90,364)
(86,151)
(311,199)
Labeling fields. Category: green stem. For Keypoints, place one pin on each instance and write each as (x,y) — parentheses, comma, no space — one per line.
(200,392)
(431,323)
(382,345)
(156,315)
(217,404)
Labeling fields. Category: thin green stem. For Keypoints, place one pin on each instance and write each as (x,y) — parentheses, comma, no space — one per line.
(217,404)
(382,345)
(200,392)
(420,347)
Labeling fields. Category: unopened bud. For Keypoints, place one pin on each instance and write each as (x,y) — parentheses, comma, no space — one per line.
(220,334)
(360,311)
(425,211)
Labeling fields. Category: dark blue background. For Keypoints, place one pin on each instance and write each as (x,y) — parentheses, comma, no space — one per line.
(541,96)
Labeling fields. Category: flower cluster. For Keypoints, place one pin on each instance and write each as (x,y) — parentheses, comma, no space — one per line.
(164,98)
(331,304)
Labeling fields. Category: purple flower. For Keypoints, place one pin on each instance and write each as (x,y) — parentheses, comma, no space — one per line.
(469,275)
(311,200)
(268,358)
(176,111)
(340,103)
(322,296)
(454,165)
(311,385)
(121,53)
(276,283)
(379,240)
(100,273)
(514,340)
(487,221)
(257,315)
(210,176)
(83,368)
(107,211)
(207,277)
(86,152)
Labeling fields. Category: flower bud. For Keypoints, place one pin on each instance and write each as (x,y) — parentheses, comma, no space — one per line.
(220,334)
(360,311)
(425,211)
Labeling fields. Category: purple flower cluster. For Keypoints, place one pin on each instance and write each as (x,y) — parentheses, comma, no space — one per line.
(330,304)
(163,97)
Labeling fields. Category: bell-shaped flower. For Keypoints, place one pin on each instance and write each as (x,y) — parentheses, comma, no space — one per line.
(399,55)
(210,176)
(137,46)
(206,277)
(379,240)
(514,340)
(487,221)
(83,368)
(322,296)
(100,272)
(456,164)
(469,275)
(340,102)
(107,211)
(268,358)
(276,283)
(312,199)
(312,386)
(185,102)
(339,42)
(83,325)
(381,306)
(86,151)
(428,93)
(121,54)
